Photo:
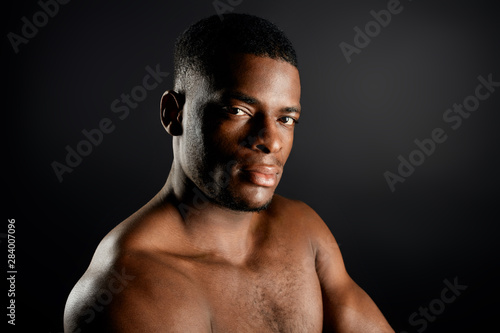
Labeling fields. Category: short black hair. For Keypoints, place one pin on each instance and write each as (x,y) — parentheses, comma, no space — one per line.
(202,46)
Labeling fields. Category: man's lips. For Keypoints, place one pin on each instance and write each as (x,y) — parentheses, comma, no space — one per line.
(262,175)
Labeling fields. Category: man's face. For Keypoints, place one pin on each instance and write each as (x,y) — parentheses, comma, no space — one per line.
(238,137)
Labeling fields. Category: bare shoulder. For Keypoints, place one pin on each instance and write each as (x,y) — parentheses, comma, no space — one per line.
(286,208)
(299,215)
(346,307)
(129,287)
(305,222)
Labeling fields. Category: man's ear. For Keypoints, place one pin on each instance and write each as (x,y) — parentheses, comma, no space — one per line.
(171,105)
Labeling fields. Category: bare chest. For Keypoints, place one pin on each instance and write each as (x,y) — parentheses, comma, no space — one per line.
(278,295)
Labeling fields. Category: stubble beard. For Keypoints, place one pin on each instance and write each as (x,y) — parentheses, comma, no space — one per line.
(226,197)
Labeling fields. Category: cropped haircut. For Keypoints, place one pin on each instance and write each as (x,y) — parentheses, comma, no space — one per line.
(203,47)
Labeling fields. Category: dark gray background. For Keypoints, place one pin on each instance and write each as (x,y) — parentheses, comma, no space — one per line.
(441,223)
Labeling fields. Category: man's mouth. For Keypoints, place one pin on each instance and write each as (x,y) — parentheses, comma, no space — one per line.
(262,175)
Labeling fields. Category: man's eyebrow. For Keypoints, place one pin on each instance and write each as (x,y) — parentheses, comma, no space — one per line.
(292,109)
(241,97)
(253,101)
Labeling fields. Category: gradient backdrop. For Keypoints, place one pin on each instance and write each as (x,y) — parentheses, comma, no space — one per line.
(358,117)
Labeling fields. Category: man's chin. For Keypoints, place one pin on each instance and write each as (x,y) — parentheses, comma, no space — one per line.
(241,196)
(255,209)
(243,206)
(243,203)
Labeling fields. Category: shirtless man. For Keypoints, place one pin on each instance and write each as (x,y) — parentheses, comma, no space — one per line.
(216,250)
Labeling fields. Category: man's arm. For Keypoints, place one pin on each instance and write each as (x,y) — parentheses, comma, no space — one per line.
(346,307)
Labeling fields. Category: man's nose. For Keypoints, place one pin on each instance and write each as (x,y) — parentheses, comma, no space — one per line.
(266,136)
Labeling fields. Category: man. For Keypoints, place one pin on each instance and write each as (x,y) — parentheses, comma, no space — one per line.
(216,250)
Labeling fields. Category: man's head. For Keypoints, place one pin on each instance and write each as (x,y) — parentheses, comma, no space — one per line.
(233,109)
(202,49)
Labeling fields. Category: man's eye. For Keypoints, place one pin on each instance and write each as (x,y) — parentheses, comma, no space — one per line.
(235,111)
(288,120)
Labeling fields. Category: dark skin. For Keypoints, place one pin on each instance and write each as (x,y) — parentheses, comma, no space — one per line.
(204,255)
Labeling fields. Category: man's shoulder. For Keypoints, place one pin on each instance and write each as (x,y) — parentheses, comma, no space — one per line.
(300,218)
(294,212)
(279,202)
(129,280)
(127,296)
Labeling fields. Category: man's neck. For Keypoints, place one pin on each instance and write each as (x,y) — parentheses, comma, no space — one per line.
(211,228)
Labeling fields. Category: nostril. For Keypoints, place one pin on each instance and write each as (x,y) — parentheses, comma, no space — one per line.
(263,148)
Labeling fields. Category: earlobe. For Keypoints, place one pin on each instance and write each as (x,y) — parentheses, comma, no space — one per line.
(171,105)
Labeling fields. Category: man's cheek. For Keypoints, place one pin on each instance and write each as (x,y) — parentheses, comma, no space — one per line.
(223,175)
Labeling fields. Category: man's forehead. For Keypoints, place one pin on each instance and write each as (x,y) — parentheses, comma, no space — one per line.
(254,76)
